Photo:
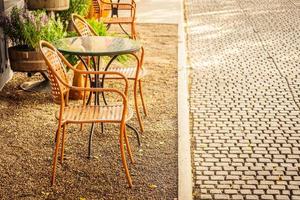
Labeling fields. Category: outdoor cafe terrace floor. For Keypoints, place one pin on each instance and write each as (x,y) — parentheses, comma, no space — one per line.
(28,127)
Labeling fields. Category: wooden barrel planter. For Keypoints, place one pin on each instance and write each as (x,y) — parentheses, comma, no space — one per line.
(55,5)
(22,60)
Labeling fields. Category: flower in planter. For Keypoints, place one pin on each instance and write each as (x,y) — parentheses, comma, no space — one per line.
(12,26)
(27,28)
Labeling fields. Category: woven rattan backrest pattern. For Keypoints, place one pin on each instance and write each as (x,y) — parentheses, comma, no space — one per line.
(82,28)
(56,68)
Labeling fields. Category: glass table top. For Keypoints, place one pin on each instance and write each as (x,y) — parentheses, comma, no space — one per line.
(97,45)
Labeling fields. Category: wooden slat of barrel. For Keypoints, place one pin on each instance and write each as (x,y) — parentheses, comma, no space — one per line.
(26,61)
(50,5)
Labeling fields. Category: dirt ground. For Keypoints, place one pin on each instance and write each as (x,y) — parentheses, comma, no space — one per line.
(27,139)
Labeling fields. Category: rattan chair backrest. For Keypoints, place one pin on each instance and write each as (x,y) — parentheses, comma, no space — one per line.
(82,27)
(56,72)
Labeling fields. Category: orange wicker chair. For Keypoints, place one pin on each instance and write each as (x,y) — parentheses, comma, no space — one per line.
(132,73)
(101,8)
(115,113)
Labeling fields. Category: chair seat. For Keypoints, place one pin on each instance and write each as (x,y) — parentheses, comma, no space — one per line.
(88,114)
(128,72)
(117,20)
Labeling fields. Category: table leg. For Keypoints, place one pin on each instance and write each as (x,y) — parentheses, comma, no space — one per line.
(125,31)
(96,66)
(136,133)
(97,83)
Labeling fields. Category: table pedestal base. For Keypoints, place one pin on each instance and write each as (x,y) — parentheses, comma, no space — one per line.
(37,86)
(102,129)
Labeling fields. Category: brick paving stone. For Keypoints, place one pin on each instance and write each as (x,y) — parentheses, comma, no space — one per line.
(252,197)
(273,192)
(245,98)
(237,197)
(282,197)
(221,197)
(296,192)
(267,197)
(206,196)
(216,191)
(247,186)
(245,192)
(296,197)
(260,192)
(286,192)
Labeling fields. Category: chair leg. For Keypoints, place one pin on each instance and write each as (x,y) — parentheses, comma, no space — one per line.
(108,26)
(90,141)
(123,155)
(133,33)
(63,143)
(55,154)
(84,97)
(128,145)
(56,136)
(142,98)
(136,106)
(136,133)
(102,127)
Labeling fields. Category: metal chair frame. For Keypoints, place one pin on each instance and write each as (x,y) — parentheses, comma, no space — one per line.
(101,6)
(60,85)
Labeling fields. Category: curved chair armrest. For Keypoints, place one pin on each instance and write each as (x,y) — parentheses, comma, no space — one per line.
(83,72)
(139,57)
(90,89)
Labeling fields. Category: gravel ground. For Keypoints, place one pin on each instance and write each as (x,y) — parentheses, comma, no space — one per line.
(27,139)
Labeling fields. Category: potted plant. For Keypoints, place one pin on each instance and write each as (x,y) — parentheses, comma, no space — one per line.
(25,29)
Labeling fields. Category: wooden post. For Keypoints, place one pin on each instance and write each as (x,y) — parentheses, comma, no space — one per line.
(5,71)
(2,5)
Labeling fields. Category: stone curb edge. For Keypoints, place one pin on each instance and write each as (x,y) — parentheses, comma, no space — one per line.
(185,183)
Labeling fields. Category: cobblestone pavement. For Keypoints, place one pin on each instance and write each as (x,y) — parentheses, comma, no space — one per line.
(245,98)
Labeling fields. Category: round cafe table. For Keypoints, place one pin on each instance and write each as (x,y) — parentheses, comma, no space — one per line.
(95,47)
